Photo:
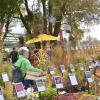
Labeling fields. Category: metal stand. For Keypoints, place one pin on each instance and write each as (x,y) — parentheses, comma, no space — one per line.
(40,96)
(88,88)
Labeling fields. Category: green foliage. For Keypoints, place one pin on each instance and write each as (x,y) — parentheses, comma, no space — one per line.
(49,93)
(6,68)
(1,57)
(80,76)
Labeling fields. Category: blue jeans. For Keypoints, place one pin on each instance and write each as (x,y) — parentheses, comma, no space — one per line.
(28,83)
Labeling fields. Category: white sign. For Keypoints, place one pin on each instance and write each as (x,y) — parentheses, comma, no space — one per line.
(90,66)
(67,28)
(72,70)
(73,80)
(52,19)
(81,68)
(1,95)
(40,85)
(62,68)
(89,80)
(5,77)
(58,82)
(98,98)
(51,69)
(88,76)
(20,89)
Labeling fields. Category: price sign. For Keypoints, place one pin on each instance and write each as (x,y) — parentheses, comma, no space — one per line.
(20,89)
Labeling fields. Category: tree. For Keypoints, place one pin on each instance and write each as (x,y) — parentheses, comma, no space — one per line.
(7,9)
(36,21)
(76,13)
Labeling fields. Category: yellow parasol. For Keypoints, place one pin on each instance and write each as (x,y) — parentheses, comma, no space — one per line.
(42,37)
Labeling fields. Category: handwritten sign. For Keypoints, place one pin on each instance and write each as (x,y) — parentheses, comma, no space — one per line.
(5,77)
(58,82)
(73,79)
(40,85)
(1,95)
(20,89)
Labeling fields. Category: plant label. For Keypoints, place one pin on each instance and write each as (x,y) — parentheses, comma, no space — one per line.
(88,76)
(20,89)
(51,70)
(62,68)
(40,85)
(73,79)
(58,82)
(5,77)
(1,95)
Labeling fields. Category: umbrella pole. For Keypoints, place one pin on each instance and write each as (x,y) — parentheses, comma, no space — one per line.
(41,45)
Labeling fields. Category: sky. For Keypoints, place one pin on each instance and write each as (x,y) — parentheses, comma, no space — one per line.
(94,31)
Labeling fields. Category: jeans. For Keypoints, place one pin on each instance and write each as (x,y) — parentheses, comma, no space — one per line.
(28,83)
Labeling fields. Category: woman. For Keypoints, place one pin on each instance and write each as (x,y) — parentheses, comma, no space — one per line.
(25,66)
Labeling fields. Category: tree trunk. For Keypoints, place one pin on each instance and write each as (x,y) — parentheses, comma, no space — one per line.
(44,15)
(1,36)
(57,25)
(6,27)
(28,10)
(50,14)
(24,23)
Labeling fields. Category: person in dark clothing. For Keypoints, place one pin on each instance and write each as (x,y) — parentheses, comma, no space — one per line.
(14,56)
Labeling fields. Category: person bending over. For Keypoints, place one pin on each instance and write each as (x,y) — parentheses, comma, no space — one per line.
(25,66)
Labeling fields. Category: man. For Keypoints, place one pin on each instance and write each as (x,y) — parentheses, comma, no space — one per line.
(14,56)
(25,66)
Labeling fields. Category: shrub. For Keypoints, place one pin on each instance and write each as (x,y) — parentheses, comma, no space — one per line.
(49,93)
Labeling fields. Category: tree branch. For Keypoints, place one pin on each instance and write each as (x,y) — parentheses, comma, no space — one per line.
(24,22)
(28,10)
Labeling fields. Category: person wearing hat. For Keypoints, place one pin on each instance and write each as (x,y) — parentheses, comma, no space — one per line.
(25,66)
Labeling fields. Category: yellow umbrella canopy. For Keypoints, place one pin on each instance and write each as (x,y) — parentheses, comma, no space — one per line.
(42,37)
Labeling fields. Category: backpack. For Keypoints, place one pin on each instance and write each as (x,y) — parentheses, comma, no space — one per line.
(17,75)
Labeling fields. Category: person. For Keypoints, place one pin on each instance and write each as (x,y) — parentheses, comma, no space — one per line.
(25,66)
(30,54)
(14,56)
